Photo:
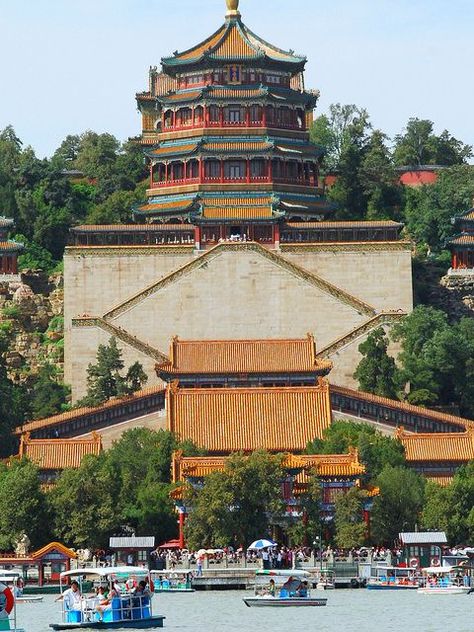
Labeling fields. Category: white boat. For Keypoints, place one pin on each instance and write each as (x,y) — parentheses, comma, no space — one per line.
(283,589)
(8,602)
(444,580)
(172,581)
(325,581)
(126,609)
(393,578)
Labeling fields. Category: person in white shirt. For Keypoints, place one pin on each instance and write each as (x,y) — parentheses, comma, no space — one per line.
(72,597)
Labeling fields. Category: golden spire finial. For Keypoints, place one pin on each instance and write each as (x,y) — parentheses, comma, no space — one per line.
(232,8)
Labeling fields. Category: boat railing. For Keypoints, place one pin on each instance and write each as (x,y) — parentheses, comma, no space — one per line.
(127,607)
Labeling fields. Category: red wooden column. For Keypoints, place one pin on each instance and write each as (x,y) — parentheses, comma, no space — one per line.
(221,117)
(201,169)
(182,520)
(166,172)
(264,116)
(367,523)
(206,116)
(247,117)
(221,174)
(269,170)
(454,261)
(197,237)
(276,235)
(248,170)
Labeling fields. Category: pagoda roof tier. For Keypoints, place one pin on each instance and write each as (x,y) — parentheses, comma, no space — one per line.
(218,357)
(201,206)
(6,222)
(234,43)
(130,228)
(464,239)
(59,454)
(10,246)
(323,225)
(324,465)
(167,206)
(235,146)
(226,420)
(259,95)
(452,447)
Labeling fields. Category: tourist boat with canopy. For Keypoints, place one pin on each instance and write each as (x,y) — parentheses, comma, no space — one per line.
(126,609)
(444,580)
(172,581)
(394,578)
(283,588)
(8,619)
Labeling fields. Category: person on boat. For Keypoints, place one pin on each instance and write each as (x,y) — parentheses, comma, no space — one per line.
(106,603)
(286,589)
(72,597)
(142,589)
(272,588)
(302,590)
(18,588)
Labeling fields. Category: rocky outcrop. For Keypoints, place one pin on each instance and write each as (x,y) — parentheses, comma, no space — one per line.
(32,310)
(458,295)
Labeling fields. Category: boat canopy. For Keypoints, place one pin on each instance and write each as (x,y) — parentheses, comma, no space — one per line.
(280,573)
(166,573)
(439,570)
(106,571)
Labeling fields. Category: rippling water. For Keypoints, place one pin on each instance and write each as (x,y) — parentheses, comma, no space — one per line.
(347,610)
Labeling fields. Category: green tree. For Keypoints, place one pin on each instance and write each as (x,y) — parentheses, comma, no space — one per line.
(236,506)
(348,519)
(48,396)
(83,504)
(399,504)
(377,372)
(140,462)
(22,505)
(104,379)
(438,508)
(419,145)
(375,449)
(13,404)
(304,530)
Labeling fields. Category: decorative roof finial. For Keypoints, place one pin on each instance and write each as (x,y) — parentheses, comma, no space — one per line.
(232,8)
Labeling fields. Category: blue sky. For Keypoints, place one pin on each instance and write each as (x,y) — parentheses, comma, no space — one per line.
(71,65)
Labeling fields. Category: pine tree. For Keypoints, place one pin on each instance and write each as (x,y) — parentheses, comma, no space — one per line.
(377,372)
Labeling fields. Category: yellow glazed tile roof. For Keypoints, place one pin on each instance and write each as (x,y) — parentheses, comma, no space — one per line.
(462,422)
(461,240)
(325,465)
(446,446)
(227,420)
(238,212)
(80,412)
(244,356)
(59,454)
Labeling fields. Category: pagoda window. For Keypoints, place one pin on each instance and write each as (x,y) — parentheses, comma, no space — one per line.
(198,115)
(234,114)
(213,114)
(185,116)
(256,114)
(234,170)
(273,79)
(276,168)
(270,115)
(193,169)
(258,168)
(177,171)
(168,118)
(194,79)
(212,169)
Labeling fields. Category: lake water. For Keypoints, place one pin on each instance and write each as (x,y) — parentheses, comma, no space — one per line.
(347,611)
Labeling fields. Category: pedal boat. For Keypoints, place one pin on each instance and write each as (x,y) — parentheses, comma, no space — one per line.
(283,589)
(393,578)
(444,580)
(128,611)
(8,602)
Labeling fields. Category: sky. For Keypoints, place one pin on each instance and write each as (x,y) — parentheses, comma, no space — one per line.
(71,65)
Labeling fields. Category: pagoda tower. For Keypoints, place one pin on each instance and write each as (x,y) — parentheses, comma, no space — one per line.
(226,131)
